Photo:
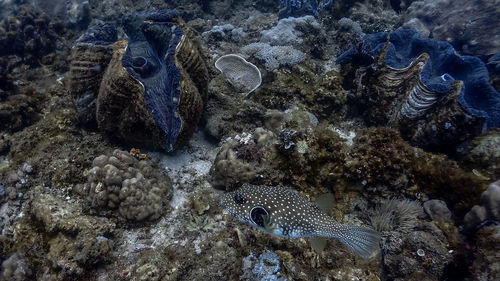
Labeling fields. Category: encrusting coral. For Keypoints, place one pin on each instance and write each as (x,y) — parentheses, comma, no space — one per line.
(55,234)
(134,188)
(380,157)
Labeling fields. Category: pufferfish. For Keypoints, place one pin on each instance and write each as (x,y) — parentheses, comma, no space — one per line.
(285,213)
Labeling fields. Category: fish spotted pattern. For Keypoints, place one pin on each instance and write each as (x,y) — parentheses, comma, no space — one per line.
(284,213)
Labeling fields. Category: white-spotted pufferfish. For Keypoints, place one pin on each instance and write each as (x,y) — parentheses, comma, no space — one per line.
(285,213)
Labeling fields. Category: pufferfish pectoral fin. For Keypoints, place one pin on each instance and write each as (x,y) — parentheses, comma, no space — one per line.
(318,244)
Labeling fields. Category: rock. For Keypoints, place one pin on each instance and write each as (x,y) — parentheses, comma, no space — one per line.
(488,210)
(437,210)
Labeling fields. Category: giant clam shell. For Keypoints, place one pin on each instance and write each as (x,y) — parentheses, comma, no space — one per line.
(90,55)
(436,98)
(152,91)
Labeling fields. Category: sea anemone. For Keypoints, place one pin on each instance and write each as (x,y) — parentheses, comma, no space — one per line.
(396,215)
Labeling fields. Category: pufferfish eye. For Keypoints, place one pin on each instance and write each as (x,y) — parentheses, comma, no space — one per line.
(239,199)
(259,216)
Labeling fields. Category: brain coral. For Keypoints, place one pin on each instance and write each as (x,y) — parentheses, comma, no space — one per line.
(137,190)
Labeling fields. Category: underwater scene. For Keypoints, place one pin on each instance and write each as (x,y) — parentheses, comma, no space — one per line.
(265,140)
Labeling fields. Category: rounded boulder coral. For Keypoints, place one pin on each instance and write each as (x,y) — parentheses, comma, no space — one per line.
(137,190)
(245,158)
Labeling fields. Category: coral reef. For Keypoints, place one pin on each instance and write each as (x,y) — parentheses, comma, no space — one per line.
(57,152)
(19,108)
(66,241)
(133,187)
(135,104)
(381,159)
(484,153)
(295,8)
(31,36)
(224,32)
(75,206)
(465,31)
(290,31)
(489,210)
(227,114)
(486,266)
(15,268)
(245,158)
(238,70)
(274,56)
(321,94)
(410,246)
(74,12)
(287,43)
(372,16)
(265,267)
(298,152)
(421,254)
(445,98)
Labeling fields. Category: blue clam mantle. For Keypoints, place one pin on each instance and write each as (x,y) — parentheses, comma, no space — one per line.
(149,58)
(443,68)
(148,91)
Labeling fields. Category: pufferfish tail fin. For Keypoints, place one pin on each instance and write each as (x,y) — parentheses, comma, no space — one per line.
(363,241)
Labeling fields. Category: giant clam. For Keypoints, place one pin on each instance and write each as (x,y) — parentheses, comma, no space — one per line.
(149,90)
(436,98)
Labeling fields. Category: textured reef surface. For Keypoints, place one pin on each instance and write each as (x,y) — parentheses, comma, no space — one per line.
(125,125)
